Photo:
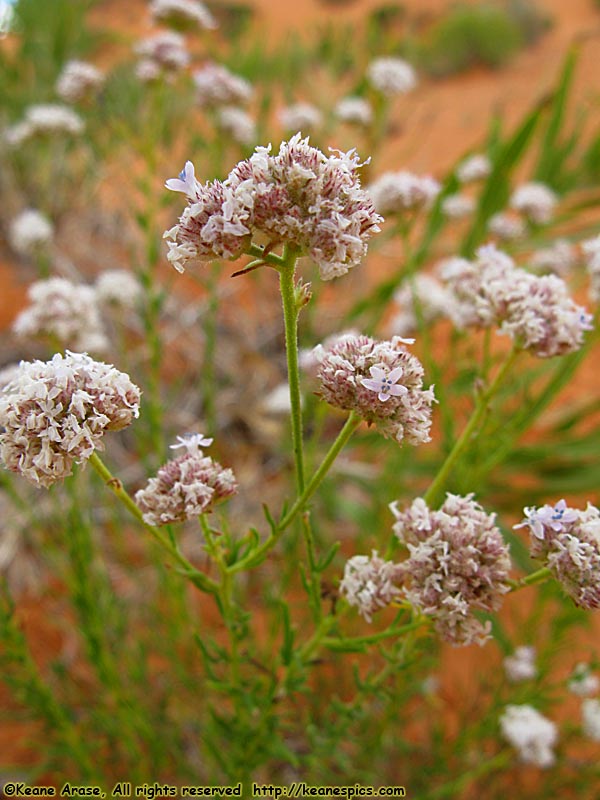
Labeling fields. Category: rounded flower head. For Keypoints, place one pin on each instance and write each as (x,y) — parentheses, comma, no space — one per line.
(300,117)
(401,192)
(217,86)
(425,293)
(30,232)
(55,413)
(299,196)
(182,13)
(536,311)
(458,563)
(62,312)
(530,733)
(520,666)
(118,287)
(590,711)
(391,76)
(354,111)
(506,226)
(382,382)
(474,168)
(583,681)
(457,206)
(558,258)
(46,119)
(185,487)
(166,50)
(78,80)
(591,253)
(237,124)
(568,541)
(535,201)
(368,583)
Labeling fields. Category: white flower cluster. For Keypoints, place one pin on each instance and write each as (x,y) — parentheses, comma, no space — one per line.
(54,414)
(42,120)
(217,86)
(537,312)
(303,117)
(506,227)
(568,541)
(381,381)
(399,192)
(182,12)
(521,666)
(165,50)
(583,682)
(78,80)
(590,710)
(118,287)
(427,294)
(65,313)
(458,563)
(530,733)
(391,76)
(535,201)
(185,487)
(299,196)
(237,124)
(474,168)
(591,252)
(458,206)
(354,110)
(559,258)
(30,232)
(368,583)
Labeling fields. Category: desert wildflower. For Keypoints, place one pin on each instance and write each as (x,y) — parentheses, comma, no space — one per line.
(458,563)
(186,486)
(535,201)
(118,287)
(532,734)
(583,682)
(521,666)
(237,124)
(182,13)
(458,206)
(299,196)
(401,192)
(474,168)
(424,293)
(78,80)
(30,232)
(382,382)
(590,712)
(300,117)
(391,76)
(506,226)
(217,86)
(354,111)
(369,583)
(165,51)
(567,540)
(54,414)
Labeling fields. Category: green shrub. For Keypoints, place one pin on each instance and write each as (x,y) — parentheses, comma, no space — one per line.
(472,35)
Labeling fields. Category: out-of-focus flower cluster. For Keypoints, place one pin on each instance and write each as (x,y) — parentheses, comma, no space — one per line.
(182,13)
(55,413)
(537,312)
(44,120)
(78,80)
(532,734)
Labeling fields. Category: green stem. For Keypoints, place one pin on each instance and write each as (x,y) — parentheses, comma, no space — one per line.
(198,578)
(539,576)
(435,493)
(290,319)
(257,555)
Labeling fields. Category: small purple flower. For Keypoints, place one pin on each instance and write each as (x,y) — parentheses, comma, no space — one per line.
(186,182)
(192,442)
(553,517)
(385,383)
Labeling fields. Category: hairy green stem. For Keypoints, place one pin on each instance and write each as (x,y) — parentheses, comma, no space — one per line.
(257,555)
(290,319)
(198,578)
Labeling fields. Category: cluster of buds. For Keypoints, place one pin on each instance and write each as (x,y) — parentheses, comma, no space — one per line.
(369,583)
